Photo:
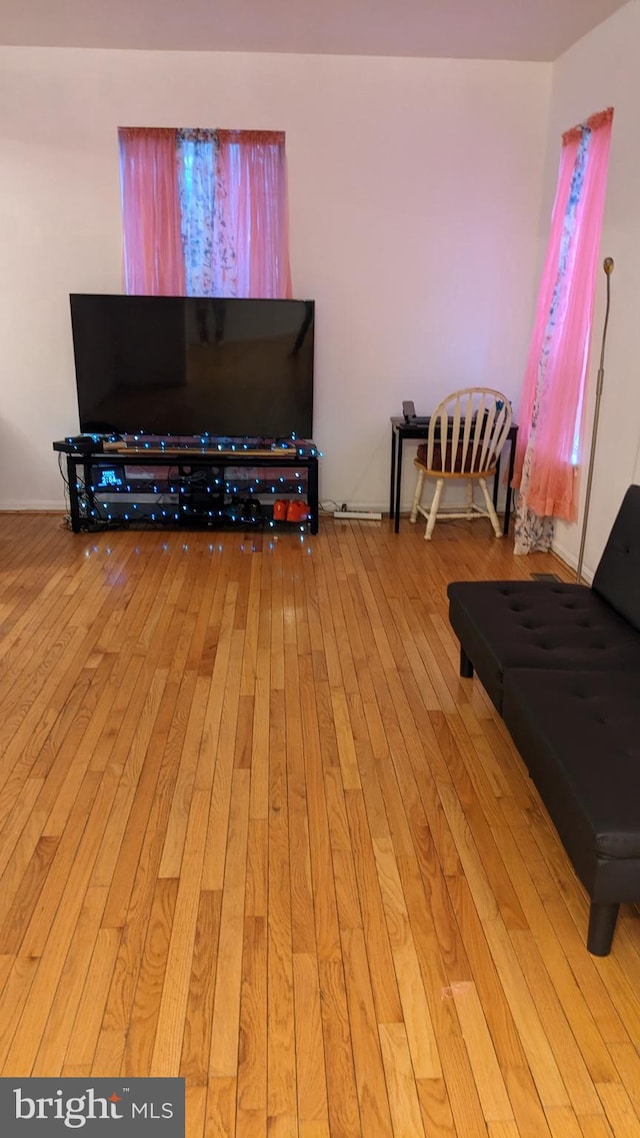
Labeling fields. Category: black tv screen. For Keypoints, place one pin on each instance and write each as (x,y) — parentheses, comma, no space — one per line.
(165,365)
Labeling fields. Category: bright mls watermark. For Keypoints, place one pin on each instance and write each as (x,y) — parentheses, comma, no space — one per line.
(126,1108)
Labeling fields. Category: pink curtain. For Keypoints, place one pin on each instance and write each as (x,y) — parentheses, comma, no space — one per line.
(153,261)
(551,404)
(252,176)
(205,212)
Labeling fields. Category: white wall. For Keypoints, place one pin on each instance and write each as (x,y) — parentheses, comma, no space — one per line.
(415,195)
(603,70)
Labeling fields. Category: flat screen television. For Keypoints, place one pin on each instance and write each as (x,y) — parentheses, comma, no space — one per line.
(169,365)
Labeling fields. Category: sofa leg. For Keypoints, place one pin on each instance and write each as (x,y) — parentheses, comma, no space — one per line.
(602,922)
(466,667)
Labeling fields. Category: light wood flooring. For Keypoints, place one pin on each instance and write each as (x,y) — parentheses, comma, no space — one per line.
(255,831)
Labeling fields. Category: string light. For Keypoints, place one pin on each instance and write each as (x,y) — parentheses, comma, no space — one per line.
(199,490)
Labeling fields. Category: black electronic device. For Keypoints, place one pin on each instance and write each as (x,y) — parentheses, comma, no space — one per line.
(80,444)
(185,366)
(109,477)
(408,410)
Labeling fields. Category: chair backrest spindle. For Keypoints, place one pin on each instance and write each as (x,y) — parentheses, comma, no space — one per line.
(467,432)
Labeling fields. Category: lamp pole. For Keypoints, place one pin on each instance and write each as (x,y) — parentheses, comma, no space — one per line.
(607,265)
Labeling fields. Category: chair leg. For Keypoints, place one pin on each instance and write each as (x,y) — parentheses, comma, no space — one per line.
(470,497)
(417,496)
(490,507)
(433,512)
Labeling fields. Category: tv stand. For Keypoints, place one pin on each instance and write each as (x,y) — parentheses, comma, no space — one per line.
(195,482)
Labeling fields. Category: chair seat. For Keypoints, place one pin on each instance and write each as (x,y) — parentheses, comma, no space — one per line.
(441,467)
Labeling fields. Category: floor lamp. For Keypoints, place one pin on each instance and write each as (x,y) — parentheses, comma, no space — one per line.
(607,265)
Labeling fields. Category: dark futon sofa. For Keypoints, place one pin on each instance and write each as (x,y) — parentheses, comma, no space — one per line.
(561,663)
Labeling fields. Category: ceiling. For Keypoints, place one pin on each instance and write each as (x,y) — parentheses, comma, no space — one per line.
(477,29)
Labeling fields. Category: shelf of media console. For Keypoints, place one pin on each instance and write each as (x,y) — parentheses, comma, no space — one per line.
(198,482)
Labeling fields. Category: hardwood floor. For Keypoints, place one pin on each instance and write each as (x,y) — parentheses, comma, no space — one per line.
(256,831)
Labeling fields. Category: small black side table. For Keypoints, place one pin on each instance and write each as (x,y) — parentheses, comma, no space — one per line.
(418,428)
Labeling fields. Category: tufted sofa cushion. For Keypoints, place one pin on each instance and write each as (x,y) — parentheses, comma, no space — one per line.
(536,624)
(577,733)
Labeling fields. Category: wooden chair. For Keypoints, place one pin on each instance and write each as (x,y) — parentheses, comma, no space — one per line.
(475,423)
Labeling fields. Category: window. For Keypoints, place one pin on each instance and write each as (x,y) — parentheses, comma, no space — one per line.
(205,212)
(551,408)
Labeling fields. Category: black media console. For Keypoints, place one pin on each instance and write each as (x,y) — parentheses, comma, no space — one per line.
(192,482)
